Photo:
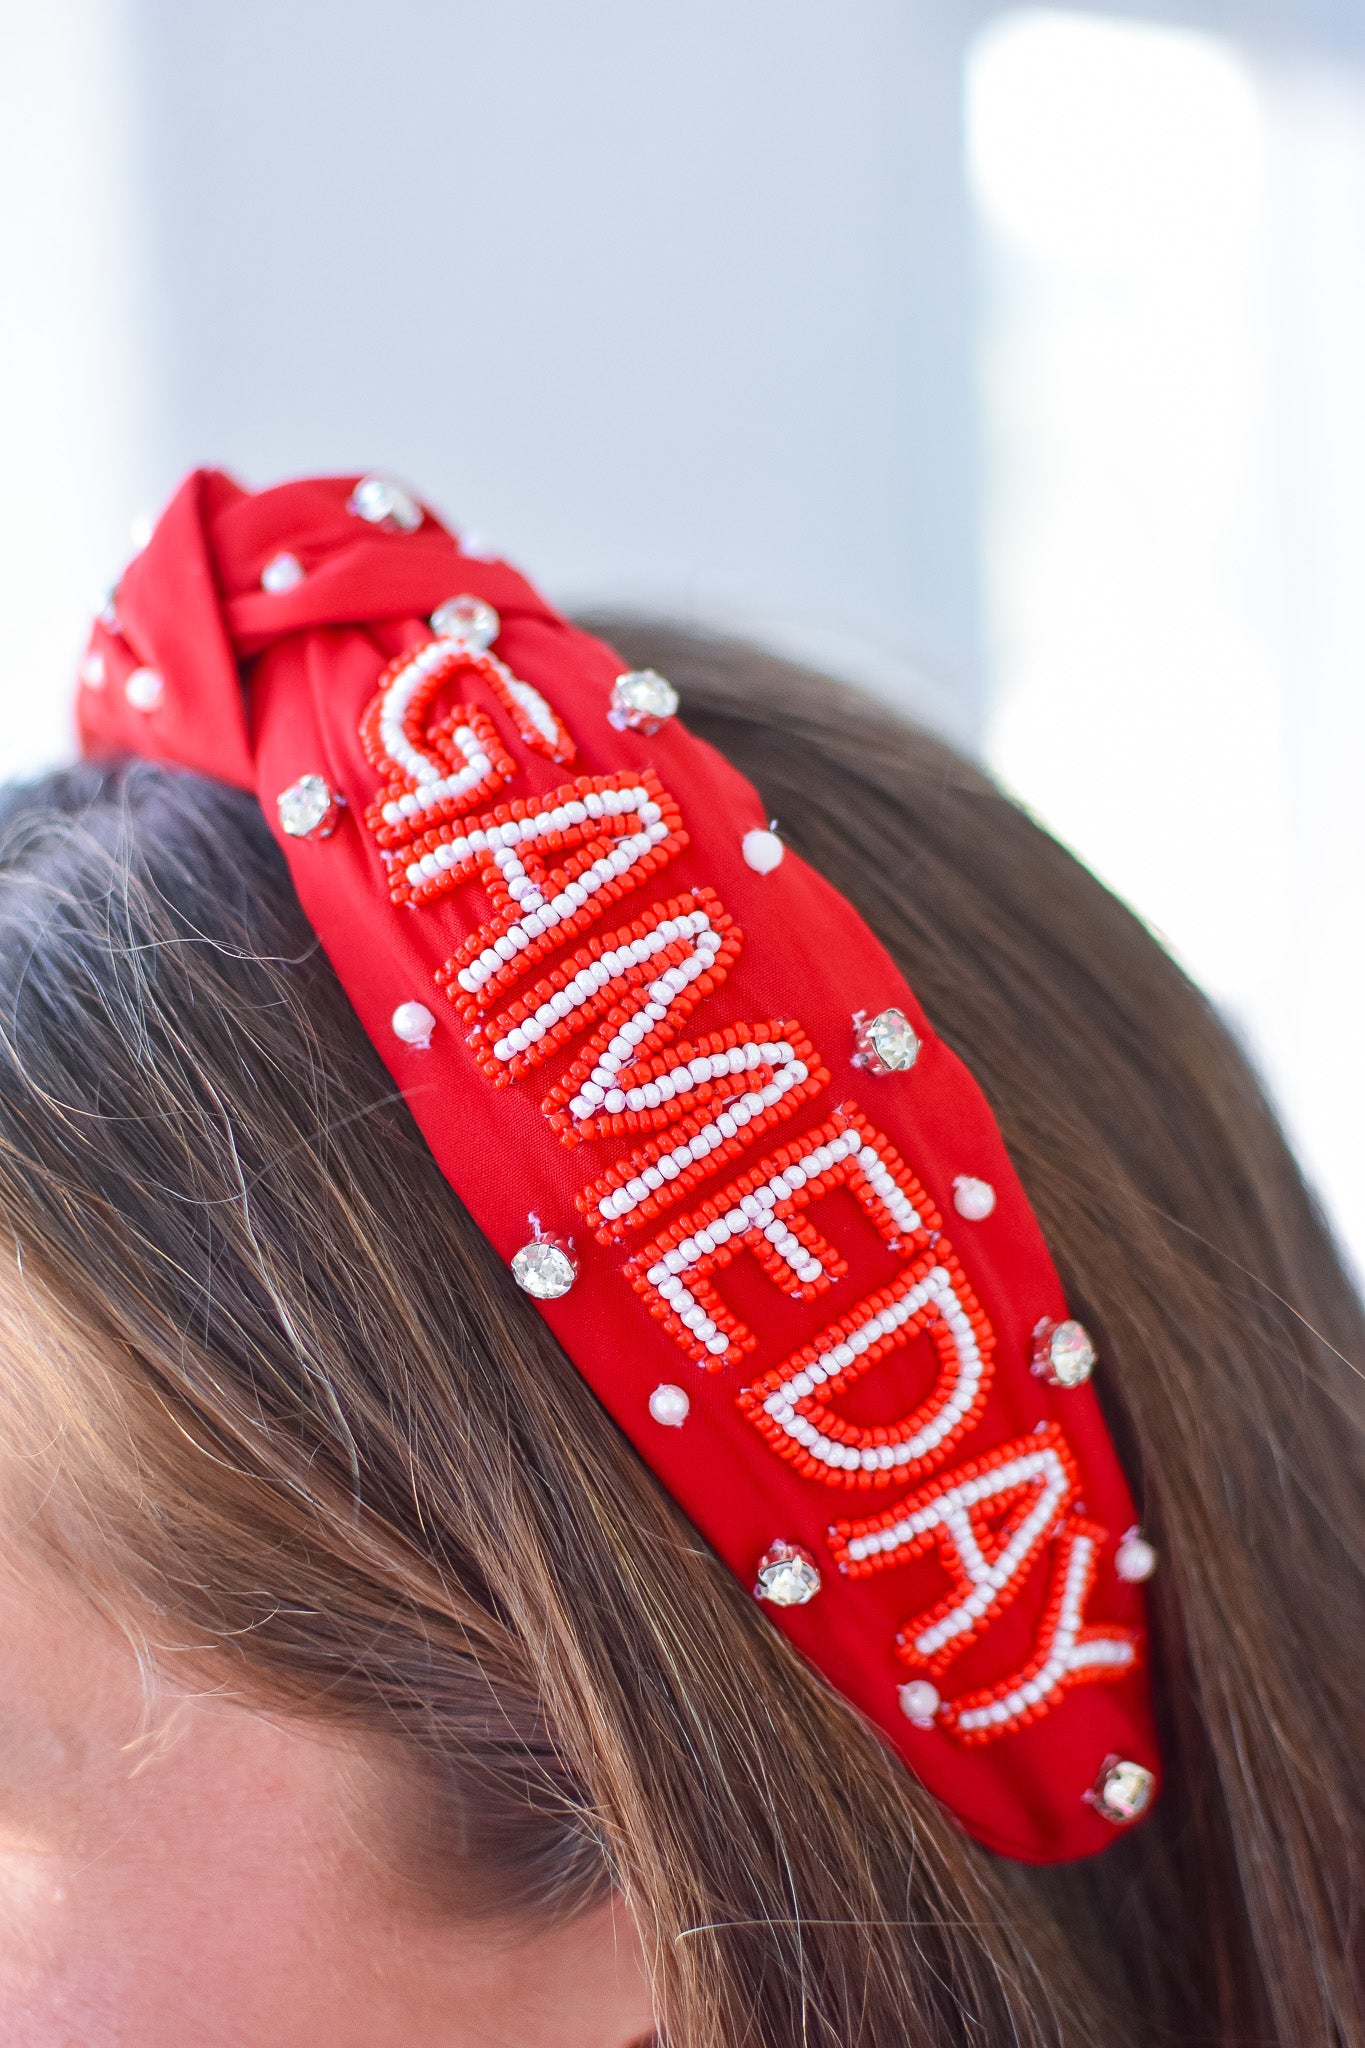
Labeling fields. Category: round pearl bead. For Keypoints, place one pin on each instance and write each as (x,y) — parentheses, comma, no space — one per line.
(281,573)
(919,1701)
(1135,1558)
(670,1406)
(414,1024)
(144,689)
(974,1199)
(762,850)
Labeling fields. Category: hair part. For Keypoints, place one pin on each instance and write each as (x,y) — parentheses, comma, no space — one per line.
(290,1418)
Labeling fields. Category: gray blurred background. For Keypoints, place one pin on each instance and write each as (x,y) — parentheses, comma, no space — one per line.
(1007,359)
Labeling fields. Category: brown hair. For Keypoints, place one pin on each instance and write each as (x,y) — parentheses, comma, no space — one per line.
(297,1421)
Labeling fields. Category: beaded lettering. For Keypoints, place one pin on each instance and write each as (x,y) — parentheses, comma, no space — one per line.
(439,771)
(615,831)
(435,772)
(1066,1651)
(763,1212)
(988,1521)
(649,976)
(717,1095)
(551,866)
(543,730)
(790,1406)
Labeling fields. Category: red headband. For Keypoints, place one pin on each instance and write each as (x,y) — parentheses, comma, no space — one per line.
(691,1101)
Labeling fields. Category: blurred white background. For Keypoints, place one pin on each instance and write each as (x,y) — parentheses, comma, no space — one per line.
(1010,359)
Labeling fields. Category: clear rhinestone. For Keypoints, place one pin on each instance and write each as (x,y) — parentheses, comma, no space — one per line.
(670,1406)
(281,573)
(763,850)
(470,619)
(919,1701)
(144,689)
(308,808)
(92,670)
(547,1268)
(1063,1353)
(108,612)
(414,1024)
(384,502)
(1123,1791)
(888,1044)
(641,701)
(974,1199)
(787,1575)
(1135,1558)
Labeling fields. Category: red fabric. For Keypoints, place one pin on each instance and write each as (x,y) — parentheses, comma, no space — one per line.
(260,689)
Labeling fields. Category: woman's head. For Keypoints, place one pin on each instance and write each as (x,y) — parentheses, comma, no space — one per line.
(285,1434)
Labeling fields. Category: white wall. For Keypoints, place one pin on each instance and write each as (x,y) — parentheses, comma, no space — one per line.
(1174,513)
(669,300)
(75,411)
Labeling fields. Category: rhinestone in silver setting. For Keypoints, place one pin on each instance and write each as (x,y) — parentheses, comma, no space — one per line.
(1123,1791)
(384,502)
(641,700)
(787,1575)
(887,1043)
(545,1268)
(1063,1353)
(471,620)
(309,808)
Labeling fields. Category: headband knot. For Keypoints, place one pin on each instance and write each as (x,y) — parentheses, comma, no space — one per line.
(228,575)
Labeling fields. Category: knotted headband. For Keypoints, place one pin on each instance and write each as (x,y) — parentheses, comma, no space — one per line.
(694,1106)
